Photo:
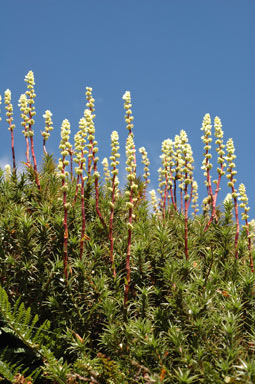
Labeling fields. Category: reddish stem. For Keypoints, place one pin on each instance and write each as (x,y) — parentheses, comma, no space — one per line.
(44,146)
(111,225)
(186,207)
(127,283)
(237,225)
(13,152)
(97,192)
(71,163)
(97,203)
(27,144)
(208,178)
(65,245)
(76,189)
(249,245)
(83,226)
(181,198)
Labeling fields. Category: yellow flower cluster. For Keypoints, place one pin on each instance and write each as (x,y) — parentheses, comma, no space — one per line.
(90,101)
(30,93)
(64,148)
(146,163)
(244,202)
(178,160)
(184,158)
(230,157)
(218,133)
(187,168)
(166,158)
(79,145)
(114,163)
(105,165)
(128,116)
(130,169)
(24,114)
(207,139)
(9,109)
(48,124)
(115,152)
(92,145)
(194,197)
(154,201)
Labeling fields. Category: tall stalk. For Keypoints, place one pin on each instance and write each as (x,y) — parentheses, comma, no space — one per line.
(114,185)
(63,163)
(90,105)
(29,79)
(24,116)
(178,165)
(93,149)
(188,180)
(132,187)
(9,115)
(207,165)
(79,142)
(231,172)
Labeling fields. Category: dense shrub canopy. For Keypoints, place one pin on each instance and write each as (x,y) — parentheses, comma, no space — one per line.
(99,285)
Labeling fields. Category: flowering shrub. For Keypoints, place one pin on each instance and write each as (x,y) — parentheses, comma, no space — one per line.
(100,284)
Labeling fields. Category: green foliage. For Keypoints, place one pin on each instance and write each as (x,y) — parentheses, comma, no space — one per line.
(187,321)
(188,317)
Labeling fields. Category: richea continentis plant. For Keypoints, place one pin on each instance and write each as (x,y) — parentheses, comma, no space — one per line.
(108,281)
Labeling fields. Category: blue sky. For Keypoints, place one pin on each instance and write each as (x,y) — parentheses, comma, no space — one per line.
(179,58)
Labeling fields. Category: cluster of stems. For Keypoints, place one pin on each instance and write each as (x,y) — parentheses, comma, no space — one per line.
(48,127)
(9,115)
(176,171)
(207,165)
(93,149)
(63,174)
(80,152)
(245,216)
